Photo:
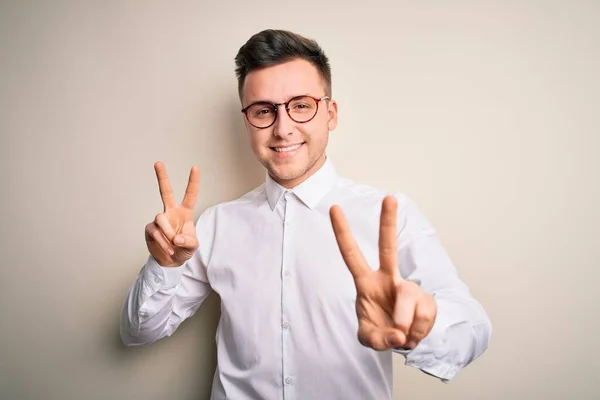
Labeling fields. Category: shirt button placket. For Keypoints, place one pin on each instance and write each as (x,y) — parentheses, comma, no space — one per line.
(286,304)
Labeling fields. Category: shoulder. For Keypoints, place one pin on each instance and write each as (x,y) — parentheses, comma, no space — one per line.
(361,194)
(208,216)
(365,201)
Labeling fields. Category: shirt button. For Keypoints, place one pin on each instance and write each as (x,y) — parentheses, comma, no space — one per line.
(288,380)
(287,223)
(286,273)
(156,279)
(286,325)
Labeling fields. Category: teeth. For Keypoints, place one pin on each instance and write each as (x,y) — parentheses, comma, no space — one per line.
(289,148)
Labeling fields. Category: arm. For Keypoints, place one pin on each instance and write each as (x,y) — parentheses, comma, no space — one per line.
(462,330)
(161,299)
(173,282)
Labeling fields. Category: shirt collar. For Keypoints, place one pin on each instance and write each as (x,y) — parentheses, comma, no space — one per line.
(310,192)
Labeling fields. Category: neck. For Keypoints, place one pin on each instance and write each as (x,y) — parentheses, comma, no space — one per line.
(291,183)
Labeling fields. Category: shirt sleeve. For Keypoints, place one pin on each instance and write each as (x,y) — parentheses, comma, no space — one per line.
(462,330)
(161,298)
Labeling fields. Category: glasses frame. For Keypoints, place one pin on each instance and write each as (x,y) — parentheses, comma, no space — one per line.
(287,109)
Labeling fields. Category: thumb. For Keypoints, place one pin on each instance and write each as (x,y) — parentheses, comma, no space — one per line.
(380,338)
(185,241)
(395,338)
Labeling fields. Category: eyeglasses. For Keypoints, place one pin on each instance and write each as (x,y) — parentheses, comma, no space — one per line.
(301,109)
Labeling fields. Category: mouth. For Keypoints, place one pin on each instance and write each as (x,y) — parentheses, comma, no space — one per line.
(287,149)
(282,152)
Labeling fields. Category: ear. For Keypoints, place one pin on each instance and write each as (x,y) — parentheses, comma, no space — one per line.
(332,116)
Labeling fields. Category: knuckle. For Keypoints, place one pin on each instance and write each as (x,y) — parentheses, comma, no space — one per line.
(409,288)
(156,235)
(427,309)
(404,328)
(417,336)
(417,331)
(151,230)
(423,314)
(363,339)
(351,252)
(364,336)
(387,251)
(404,324)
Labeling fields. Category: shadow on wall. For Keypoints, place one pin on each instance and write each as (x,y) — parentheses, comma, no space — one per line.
(230,167)
(233,171)
(251,173)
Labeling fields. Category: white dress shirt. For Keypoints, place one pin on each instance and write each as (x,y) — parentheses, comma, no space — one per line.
(288,325)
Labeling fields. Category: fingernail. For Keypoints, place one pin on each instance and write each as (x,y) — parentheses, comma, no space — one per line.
(171,252)
(391,339)
(178,240)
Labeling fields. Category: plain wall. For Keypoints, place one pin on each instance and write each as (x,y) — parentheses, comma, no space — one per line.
(486,113)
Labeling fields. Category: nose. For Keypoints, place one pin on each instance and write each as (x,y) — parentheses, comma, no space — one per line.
(283,125)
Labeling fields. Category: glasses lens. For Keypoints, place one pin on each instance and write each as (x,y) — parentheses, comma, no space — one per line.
(302,109)
(261,114)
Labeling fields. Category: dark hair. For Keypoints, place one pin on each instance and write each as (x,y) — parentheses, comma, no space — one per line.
(272,47)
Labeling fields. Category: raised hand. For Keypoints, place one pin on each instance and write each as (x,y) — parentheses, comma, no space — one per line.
(171,237)
(392,312)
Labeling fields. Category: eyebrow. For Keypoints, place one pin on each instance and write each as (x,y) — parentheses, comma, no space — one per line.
(273,102)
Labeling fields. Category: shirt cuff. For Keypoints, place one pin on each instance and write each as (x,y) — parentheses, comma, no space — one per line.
(443,371)
(163,276)
(431,355)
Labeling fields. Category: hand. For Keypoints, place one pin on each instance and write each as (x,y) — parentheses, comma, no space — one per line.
(171,237)
(392,312)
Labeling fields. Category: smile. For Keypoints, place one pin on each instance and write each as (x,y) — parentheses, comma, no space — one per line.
(287,148)
(287,152)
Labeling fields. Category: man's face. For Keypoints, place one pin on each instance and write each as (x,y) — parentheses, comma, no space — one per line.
(290,151)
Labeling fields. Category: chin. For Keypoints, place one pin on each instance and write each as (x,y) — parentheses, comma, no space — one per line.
(286,172)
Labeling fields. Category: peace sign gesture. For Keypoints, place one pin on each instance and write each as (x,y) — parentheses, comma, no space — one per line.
(171,237)
(392,312)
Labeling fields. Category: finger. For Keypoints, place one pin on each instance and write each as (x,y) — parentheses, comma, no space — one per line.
(163,223)
(351,253)
(154,233)
(404,309)
(191,192)
(186,241)
(388,239)
(425,313)
(166,192)
(380,339)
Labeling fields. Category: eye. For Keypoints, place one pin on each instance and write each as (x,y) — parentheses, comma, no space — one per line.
(261,112)
(301,107)
(302,104)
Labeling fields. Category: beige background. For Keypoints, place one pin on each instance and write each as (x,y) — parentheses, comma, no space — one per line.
(486,113)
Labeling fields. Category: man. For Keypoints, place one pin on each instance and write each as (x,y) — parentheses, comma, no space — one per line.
(321,279)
